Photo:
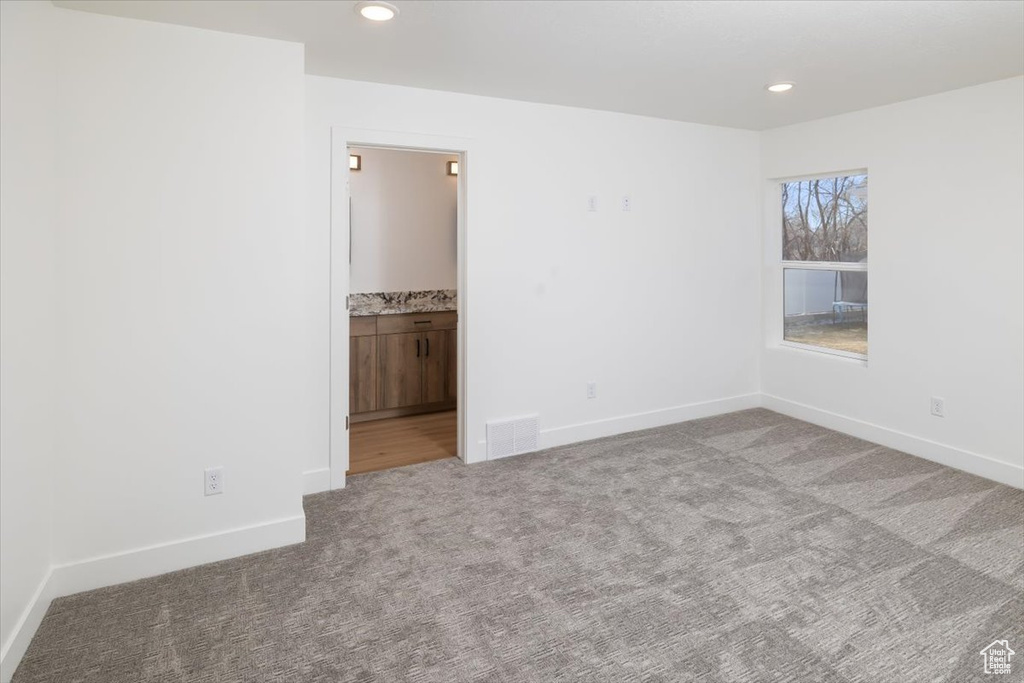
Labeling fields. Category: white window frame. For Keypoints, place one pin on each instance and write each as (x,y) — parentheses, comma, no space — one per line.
(861,266)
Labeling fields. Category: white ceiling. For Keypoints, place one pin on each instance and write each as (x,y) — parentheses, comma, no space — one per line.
(706,62)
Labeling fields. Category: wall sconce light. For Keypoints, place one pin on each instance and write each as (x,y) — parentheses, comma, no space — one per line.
(355,162)
(452,168)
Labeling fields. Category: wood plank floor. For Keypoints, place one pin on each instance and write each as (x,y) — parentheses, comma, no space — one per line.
(398,441)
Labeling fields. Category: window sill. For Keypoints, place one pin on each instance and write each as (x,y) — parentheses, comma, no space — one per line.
(858,358)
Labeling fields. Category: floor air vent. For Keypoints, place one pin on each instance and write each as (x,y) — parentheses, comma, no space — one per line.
(512,437)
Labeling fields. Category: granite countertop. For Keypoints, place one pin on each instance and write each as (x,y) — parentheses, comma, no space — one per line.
(390,303)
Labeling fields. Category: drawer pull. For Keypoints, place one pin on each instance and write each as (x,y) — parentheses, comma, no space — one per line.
(422,322)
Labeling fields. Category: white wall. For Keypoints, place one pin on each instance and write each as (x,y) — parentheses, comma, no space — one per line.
(946,279)
(181,257)
(28,326)
(153,321)
(403,222)
(643,303)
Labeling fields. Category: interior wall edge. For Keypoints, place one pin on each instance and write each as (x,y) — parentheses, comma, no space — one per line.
(316,481)
(943,454)
(141,563)
(623,424)
(966,461)
(24,630)
(151,561)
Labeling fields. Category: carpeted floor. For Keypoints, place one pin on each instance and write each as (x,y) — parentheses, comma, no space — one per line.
(745,547)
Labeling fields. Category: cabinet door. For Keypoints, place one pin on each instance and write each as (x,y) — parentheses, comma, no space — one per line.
(435,361)
(362,368)
(452,388)
(401,373)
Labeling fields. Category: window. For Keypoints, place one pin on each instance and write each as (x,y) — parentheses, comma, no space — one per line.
(825,264)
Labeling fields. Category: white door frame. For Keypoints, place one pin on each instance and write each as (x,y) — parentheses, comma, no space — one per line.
(341,139)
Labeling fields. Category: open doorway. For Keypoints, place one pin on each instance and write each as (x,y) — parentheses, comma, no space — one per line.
(403,207)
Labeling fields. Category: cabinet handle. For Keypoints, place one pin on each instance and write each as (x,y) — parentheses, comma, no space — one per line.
(417,348)
(428,348)
(421,322)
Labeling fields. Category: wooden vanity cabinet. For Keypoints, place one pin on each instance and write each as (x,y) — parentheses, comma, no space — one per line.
(413,359)
(435,366)
(363,365)
(401,370)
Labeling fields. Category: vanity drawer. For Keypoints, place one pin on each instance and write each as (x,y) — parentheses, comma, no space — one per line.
(362,326)
(416,322)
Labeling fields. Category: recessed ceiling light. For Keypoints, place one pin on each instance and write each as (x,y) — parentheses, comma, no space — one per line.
(779,87)
(377,11)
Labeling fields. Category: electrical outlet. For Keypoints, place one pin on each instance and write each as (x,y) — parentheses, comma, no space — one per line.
(591,389)
(938,407)
(214,478)
(591,203)
(627,203)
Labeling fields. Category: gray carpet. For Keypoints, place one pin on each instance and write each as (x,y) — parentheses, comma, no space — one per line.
(745,547)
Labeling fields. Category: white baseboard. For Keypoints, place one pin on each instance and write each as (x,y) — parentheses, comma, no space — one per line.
(108,570)
(157,559)
(973,463)
(337,478)
(16,645)
(586,431)
(162,558)
(315,481)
